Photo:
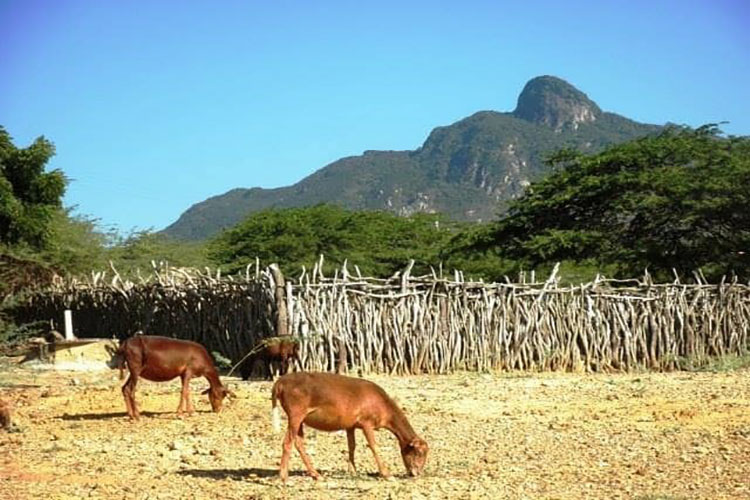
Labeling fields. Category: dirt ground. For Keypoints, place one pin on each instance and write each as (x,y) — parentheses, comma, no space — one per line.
(505,435)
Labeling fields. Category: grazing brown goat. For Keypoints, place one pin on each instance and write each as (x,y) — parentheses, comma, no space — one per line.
(160,359)
(330,402)
(270,350)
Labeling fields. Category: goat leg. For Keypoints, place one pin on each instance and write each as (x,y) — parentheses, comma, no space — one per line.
(286,451)
(128,392)
(299,442)
(185,403)
(370,436)
(350,440)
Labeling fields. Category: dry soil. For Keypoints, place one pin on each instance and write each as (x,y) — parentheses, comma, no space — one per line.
(505,435)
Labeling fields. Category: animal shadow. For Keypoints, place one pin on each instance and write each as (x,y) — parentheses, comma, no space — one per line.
(237,474)
(109,416)
(263,476)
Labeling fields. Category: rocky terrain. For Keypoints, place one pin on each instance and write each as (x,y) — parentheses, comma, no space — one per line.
(505,435)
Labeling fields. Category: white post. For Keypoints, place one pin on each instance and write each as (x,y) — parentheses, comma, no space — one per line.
(69,325)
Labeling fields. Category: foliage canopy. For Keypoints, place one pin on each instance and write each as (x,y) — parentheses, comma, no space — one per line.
(29,196)
(378,243)
(677,200)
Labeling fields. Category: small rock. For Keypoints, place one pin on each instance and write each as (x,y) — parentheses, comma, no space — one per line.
(176,445)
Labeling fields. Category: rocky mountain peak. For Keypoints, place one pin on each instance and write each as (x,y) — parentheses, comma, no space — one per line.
(551,101)
(466,170)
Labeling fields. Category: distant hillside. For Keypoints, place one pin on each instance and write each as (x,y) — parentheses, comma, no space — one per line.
(463,170)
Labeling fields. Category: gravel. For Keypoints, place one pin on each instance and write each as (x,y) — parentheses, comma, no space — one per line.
(504,435)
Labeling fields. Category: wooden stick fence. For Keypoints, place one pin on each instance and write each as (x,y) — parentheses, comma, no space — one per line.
(426,324)
(228,315)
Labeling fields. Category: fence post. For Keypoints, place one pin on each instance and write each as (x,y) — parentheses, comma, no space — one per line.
(282,319)
(68,315)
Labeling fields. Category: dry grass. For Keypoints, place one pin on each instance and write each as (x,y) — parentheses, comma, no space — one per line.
(512,435)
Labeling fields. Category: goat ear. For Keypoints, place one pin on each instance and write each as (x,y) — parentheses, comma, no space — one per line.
(418,444)
(206,391)
(230,393)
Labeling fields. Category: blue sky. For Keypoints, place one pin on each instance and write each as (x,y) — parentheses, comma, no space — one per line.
(156,105)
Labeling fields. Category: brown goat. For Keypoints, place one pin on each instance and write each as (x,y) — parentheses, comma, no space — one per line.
(270,350)
(330,402)
(160,359)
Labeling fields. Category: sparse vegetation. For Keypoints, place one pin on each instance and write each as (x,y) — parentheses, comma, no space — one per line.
(715,363)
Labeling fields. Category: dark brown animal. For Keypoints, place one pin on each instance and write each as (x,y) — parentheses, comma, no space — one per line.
(160,359)
(269,351)
(330,402)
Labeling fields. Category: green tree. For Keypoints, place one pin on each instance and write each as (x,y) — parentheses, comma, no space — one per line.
(29,196)
(138,250)
(76,244)
(379,243)
(677,200)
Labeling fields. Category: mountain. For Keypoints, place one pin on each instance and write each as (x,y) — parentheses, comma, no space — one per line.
(464,170)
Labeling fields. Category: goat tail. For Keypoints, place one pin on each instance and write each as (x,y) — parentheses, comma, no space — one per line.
(122,367)
(275,410)
(276,419)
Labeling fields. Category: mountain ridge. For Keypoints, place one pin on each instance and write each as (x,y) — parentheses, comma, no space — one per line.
(464,170)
